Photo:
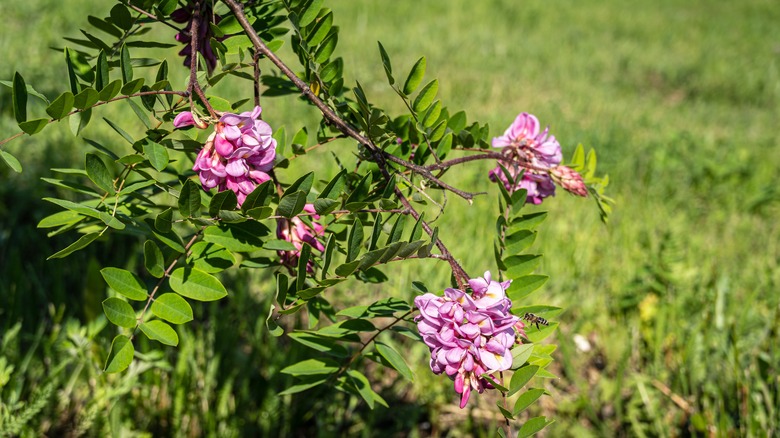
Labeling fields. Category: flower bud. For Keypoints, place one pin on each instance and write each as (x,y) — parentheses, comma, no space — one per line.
(569,179)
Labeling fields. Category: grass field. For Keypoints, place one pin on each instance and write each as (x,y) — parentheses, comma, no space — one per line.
(676,297)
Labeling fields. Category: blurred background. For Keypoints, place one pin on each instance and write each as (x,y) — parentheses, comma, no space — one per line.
(671,321)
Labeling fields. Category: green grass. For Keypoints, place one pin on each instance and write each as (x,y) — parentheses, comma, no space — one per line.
(677,295)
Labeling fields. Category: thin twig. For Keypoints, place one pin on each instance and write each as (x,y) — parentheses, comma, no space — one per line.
(166,274)
(193,84)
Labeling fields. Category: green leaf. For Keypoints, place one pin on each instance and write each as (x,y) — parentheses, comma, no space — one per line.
(326,48)
(521,377)
(519,241)
(125,282)
(426,96)
(537,335)
(523,286)
(417,230)
(520,265)
(279,245)
(304,385)
(527,221)
(33,127)
(271,325)
(125,64)
(432,115)
(240,237)
(355,240)
(520,354)
(386,64)
(197,285)
(303,260)
(88,211)
(325,206)
(319,343)
(334,187)
(310,13)
(99,174)
(157,330)
(101,69)
(320,30)
(224,200)
(395,359)
(415,76)
(132,87)
(311,367)
(19,98)
(157,154)
(457,122)
(532,426)
(282,285)
(119,312)
(397,231)
(363,387)
(164,221)
(120,356)
(87,98)
(79,120)
(526,399)
(332,70)
(330,246)
(120,131)
(61,106)
(69,58)
(11,161)
(153,259)
(437,132)
(189,199)
(75,246)
(258,197)
(110,90)
(291,205)
(301,184)
(210,257)
(172,308)
(347,268)
(120,17)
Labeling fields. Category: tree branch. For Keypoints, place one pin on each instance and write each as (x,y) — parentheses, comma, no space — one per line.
(340,124)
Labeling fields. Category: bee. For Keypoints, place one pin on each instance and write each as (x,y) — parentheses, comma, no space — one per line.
(535,320)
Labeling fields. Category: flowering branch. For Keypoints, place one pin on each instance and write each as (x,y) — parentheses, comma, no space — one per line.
(459,273)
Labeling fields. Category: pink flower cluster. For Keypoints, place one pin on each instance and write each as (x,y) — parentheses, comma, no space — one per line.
(296,231)
(237,155)
(469,334)
(533,151)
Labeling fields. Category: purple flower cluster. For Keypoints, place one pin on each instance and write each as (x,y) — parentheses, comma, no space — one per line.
(469,334)
(186,15)
(532,151)
(298,232)
(237,155)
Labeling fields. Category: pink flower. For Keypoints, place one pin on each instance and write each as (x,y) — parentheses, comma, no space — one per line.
(469,335)
(184,119)
(298,232)
(237,156)
(530,150)
(537,147)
